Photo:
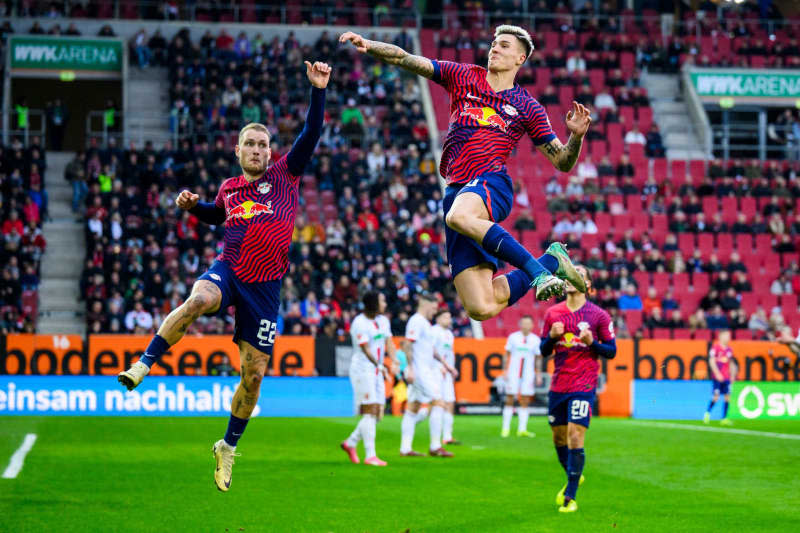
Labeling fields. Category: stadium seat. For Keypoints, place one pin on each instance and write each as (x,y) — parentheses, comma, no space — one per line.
(678,170)
(661,281)
(749,302)
(701,282)
(742,335)
(661,333)
(682,333)
(788,258)
(705,241)
(730,209)
(686,244)
(659,169)
(30,304)
(788,301)
(704,335)
(744,243)
(724,244)
(633,319)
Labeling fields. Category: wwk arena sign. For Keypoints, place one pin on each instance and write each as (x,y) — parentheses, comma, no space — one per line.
(747,86)
(66,57)
(770,400)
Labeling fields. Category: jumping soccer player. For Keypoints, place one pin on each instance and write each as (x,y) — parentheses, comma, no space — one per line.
(258,211)
(443,352)
(424,384)
(489,114)
(372,340)
(522,347)
(719,361)
(577,332)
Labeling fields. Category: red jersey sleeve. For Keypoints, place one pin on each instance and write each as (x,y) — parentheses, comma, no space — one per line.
(537,123)
(605,327)
(448,74)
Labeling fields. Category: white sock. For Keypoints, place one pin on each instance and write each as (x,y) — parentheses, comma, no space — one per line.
(356,435)
(508,412)
(436,427)
(523,418)
(422,414)
(408,425)
(448,426)
(368,432)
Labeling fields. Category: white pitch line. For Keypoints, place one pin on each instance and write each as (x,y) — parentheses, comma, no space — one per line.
(15,465)
(788,436)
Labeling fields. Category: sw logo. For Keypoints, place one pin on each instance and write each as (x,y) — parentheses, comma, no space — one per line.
(249,209)
(485,116)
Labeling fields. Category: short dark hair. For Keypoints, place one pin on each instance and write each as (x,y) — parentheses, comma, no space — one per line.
(371,301)
(427,296)
(440,312)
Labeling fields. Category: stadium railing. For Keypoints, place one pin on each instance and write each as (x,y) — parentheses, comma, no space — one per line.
(37,126)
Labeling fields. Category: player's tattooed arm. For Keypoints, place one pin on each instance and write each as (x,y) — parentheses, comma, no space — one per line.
(562,156)
(389,53)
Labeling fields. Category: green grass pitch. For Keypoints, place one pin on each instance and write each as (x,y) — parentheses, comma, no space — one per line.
(155,474)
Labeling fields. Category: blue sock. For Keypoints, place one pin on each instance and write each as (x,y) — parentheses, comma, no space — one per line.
(562,456)
(155,349)
(549,262)
(519,283)
(711,405)
(502,245)
(725,410)
(575,460)
(236,427)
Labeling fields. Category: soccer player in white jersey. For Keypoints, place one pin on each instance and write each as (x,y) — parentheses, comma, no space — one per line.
(424,384)
(372,341)
(522,348)
(443,352)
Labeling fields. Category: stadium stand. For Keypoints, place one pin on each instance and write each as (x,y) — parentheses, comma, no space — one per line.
(23,207)
(687,219)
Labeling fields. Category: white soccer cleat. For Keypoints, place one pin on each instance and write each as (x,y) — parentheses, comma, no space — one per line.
(224,454)
(134,375)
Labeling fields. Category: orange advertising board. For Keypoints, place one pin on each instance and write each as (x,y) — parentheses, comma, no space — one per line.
(110,354)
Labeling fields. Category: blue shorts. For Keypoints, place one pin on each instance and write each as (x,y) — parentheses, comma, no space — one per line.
(256,305)
(497,192)
(721,387)
(575,407)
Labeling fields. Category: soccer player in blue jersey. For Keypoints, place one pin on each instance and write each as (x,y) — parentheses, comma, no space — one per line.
(577,333)
(258,211)
(489,114)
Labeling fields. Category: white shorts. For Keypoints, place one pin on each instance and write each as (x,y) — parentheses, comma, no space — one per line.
(448,387)
(519,379)
(427,385)
(368,388)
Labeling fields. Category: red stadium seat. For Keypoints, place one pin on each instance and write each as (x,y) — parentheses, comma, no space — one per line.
(748,206)
(788,301)
(742,335)
(645,117)
(730,209)
(680,282)
(661,333)
(701,282)
(681,333)
(697,169)
(767,300)
(633,319)
(659,169)
(642,279)
(659,224)
(678,170)
(661,281)
(703,335)
(749,302)
(724,244)
(686,244)
(705,241)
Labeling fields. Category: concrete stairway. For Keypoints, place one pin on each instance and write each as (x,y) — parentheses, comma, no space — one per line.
(147,117)
(60,311)
(672,116)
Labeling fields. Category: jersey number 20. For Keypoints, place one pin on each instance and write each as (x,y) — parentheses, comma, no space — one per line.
(580,408)
(266,333)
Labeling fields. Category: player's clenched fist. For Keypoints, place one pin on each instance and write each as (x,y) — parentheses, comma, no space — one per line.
(186,200)
(318,74)
(586,337)
(556,330)
(358,41)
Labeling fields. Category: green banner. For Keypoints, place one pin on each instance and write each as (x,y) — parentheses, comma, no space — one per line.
(765,399)
(726,83)
(65,54)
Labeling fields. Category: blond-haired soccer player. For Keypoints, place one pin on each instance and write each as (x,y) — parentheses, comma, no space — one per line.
(443,352)
(258,210)
(489,114)
(522,348)
(372,342)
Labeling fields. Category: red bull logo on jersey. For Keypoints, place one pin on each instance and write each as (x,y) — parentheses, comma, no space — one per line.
(249,209)
(570,340)
(485,116)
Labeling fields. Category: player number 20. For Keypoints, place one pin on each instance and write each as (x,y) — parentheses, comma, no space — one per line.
(580,409)
(266,332)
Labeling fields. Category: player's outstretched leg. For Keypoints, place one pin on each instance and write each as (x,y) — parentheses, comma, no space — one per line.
(254,366)
(469,216)
(205,298)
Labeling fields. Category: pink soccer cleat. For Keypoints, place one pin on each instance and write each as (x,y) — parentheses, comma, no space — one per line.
(374,461)
(351,452)
(441,452)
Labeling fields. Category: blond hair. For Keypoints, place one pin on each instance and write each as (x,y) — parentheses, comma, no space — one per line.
(520,33)
(252,126)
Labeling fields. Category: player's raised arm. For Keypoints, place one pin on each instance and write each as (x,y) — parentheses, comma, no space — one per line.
(207,212)
(563,157)
(318,74)
(389,53)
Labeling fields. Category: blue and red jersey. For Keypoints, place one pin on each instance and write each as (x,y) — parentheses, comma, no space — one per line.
(484,125)
(259,220)
(576,365)
(722,356)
